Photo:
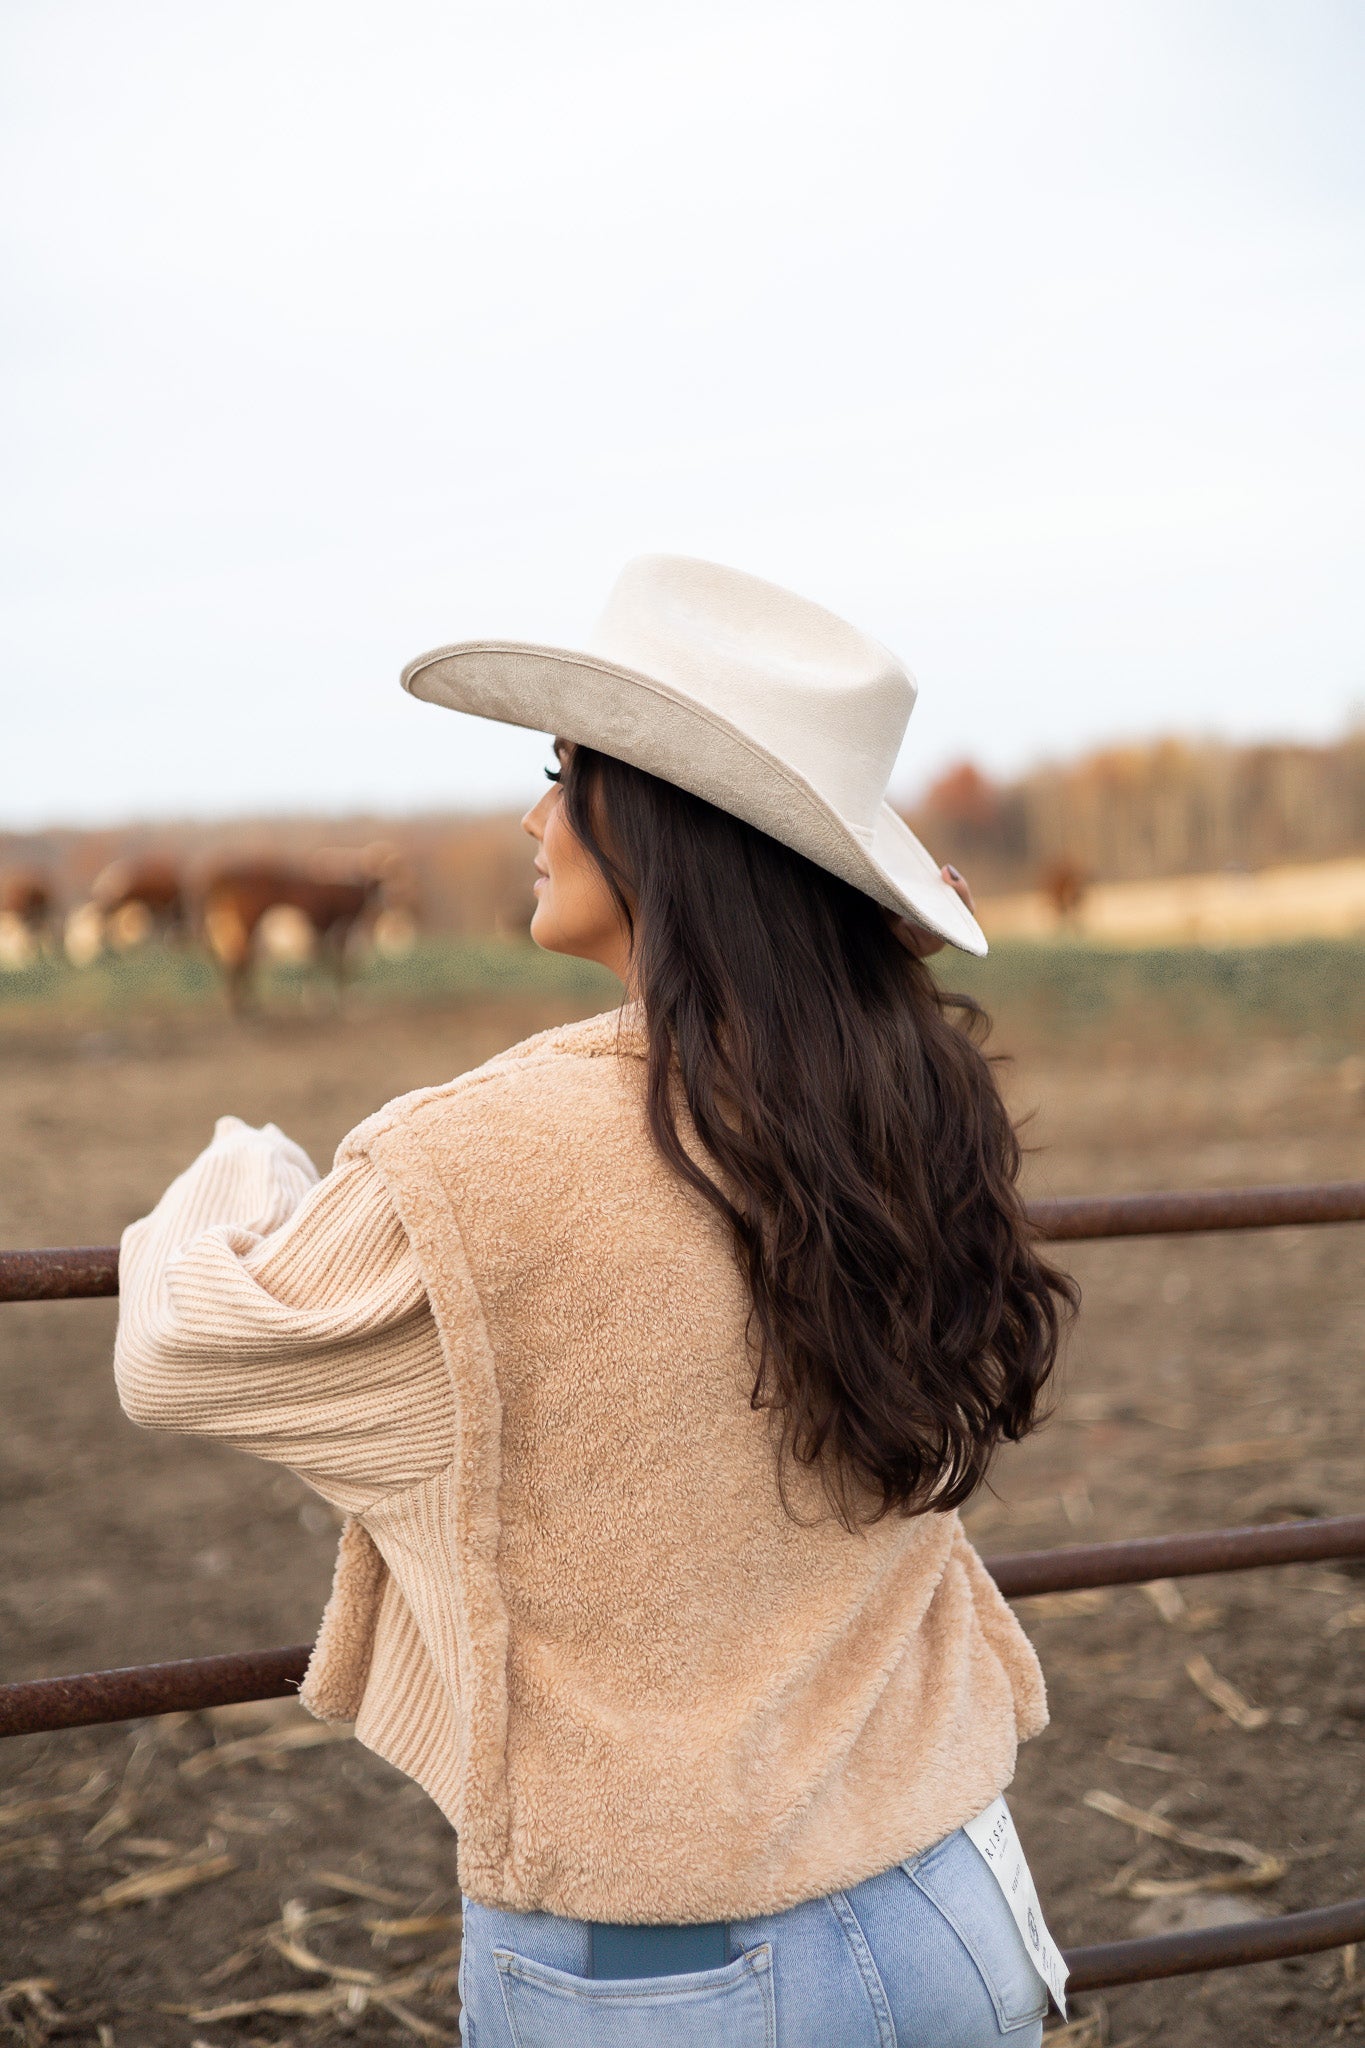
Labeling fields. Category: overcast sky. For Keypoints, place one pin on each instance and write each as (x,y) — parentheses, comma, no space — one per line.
(1030,337)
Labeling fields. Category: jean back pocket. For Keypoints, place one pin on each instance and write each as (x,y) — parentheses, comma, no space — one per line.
(956,1879)
(548,2008)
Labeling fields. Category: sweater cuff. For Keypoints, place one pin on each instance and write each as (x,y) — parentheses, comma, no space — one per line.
(247,1179)
(231,1135)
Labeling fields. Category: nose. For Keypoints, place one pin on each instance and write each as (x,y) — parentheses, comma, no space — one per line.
(533,821)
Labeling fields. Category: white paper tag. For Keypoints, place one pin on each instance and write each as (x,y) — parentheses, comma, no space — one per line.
(993,1833)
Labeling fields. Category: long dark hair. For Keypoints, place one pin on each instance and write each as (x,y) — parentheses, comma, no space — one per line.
(903,1322)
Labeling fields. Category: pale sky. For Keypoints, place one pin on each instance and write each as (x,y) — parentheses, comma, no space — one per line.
(1030,337)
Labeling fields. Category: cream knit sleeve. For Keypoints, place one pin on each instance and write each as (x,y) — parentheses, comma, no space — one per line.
(285,1315)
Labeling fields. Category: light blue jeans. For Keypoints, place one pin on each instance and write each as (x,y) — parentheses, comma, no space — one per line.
(925,1956)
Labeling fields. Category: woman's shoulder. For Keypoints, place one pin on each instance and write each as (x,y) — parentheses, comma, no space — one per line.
(552,1066)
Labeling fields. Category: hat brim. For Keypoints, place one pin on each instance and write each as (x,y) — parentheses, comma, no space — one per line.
(656,727)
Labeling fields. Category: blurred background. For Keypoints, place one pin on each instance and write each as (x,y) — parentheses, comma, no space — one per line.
(1028,338)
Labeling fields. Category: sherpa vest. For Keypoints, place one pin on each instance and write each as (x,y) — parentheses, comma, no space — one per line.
(659,1695)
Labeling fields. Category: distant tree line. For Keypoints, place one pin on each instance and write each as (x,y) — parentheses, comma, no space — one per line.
(1168,807)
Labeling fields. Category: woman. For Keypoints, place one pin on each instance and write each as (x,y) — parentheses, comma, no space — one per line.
(651,1363)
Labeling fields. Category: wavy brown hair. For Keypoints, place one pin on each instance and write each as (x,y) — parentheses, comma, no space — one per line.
(903,1322)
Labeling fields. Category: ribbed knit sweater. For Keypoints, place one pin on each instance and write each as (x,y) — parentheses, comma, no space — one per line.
(508,1341)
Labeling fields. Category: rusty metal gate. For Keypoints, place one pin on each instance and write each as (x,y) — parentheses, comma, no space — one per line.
(83,1699)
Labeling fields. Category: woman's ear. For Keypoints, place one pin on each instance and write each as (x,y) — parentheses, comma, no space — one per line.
(917,938)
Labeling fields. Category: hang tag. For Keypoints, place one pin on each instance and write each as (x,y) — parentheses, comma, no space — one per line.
(993,1833)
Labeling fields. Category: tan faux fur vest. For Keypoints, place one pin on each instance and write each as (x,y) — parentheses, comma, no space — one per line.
(661,1695)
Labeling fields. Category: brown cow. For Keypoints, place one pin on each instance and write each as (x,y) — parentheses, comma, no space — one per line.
(1063,882)
(236,899)
(28,917)
(26,896)
(141,895)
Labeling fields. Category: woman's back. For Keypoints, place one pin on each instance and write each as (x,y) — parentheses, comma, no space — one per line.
(689,1692)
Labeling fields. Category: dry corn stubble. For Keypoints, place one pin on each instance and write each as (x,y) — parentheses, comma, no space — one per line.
(158,1884)
(28,1848)
(342,1995)
(1261,1869)
(352,1989)
(1143,1759)
(29,2014)
(418,1924)
(293,1951)
(56,1802)
(1269,1450)
(1086,2030)
(359,1888)
(1223,1694)
(294,1918)
(118,1817)
(1171,1604)
(272,1750)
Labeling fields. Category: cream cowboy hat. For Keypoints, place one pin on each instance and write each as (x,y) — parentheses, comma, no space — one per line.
(756,700)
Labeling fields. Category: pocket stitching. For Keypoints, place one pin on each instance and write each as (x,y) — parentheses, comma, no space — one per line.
(1006,2024)
(756,1960)
(753,1962)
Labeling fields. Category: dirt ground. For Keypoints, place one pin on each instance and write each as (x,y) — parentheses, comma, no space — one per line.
(307,1892)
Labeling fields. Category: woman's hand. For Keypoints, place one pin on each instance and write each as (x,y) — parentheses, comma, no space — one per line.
(917,938)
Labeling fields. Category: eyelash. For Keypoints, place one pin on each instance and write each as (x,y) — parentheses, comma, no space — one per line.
(554,774)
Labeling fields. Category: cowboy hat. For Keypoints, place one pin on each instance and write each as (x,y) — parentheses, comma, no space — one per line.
(754,699)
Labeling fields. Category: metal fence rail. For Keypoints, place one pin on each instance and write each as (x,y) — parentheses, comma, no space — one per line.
(85,1699)
(1111,1963)
(1141,1559)
(69,1273)
(1070,1217)
(79,1272)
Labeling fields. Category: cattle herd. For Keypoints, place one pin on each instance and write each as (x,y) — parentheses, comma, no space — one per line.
(240,912)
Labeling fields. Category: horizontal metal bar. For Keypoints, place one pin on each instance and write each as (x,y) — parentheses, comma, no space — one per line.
(1215,1948)
(1076,1565)
(191,1684)
(72,1272)
(53,1703)
(85,1698)
(75,1272)
(197,1682)
(1069,1217)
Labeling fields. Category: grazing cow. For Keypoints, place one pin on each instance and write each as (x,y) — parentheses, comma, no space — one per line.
(1064,885)
(132,900)
(26,896)
(236,900)
(28,917)
(139,897)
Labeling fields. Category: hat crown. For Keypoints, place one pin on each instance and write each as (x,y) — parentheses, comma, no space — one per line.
(806,686)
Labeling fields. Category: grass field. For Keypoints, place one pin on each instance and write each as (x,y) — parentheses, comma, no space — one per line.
(1313,988)
(161,980)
